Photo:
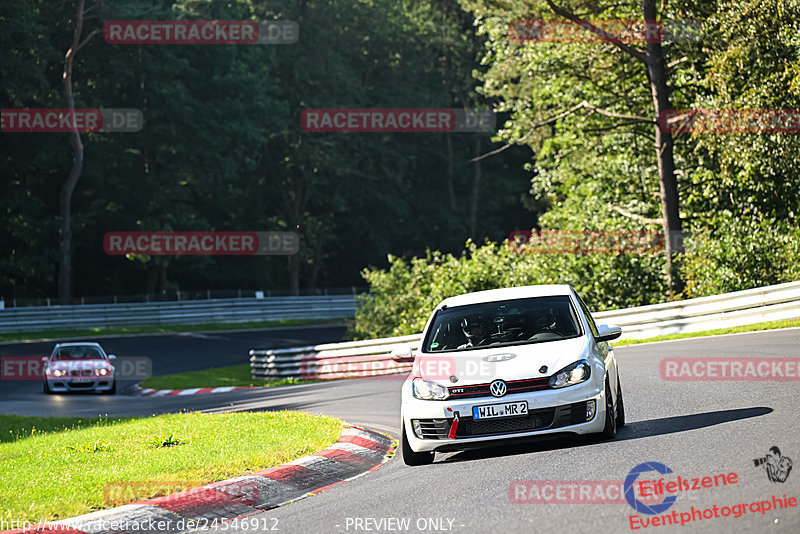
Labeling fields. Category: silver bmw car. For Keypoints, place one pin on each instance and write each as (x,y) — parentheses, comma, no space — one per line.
(81,366)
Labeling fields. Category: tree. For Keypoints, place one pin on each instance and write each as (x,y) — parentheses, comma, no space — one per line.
(65,199)
(621,102)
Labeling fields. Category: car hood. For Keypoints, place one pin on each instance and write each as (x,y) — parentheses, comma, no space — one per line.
(98,363)
(516,362)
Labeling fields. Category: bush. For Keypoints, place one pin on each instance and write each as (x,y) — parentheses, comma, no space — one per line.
(402,298)
(740,254)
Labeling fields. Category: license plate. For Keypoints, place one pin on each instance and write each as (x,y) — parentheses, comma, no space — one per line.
(508,409)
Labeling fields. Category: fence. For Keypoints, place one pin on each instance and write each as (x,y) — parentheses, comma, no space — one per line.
(182,312)
(371,357)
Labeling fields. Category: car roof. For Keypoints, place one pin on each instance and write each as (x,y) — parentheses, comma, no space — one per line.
(79,344)
(508,293)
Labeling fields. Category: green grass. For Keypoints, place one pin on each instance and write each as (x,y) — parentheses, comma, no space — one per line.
(232,375)
(158,329)
(54,468)
(770,325)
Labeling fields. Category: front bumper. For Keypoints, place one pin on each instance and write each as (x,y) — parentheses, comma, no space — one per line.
(549,412)
(62,385)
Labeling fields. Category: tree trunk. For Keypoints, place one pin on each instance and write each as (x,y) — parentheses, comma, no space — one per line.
(668,184)
(294,275)
(476,186)
(65,198)
(451,191)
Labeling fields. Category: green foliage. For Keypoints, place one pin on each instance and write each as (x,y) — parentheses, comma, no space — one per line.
(169,441)
(222,147)
(741,253)
(402,297)
(97,446)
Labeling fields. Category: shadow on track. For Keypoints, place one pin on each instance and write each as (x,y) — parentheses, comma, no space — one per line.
(632,430)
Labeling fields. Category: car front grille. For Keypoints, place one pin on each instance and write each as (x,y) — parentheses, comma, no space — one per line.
(542,419)
(535,420)
(514,386)
(433,428)
(78,385)
(570,414)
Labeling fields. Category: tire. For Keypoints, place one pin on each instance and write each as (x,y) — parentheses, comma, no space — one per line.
(415,458)
(620,406)
(610,430)
(113,390)
(45,388)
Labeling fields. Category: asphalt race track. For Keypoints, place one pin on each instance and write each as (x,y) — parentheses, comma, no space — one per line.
(697,429)
(169,353)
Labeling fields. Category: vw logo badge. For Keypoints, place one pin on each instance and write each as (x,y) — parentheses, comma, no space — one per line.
(498,388)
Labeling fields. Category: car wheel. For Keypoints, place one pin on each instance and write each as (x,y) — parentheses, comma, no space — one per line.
(45,388)
(415,458)
(610,430)
(620,406)
(113,389)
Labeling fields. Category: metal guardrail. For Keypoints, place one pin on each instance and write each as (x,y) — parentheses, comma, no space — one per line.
(183,312)
(371,357)
(772,303)
(332,360)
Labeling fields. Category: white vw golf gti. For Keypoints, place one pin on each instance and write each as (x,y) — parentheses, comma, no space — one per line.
(508,364)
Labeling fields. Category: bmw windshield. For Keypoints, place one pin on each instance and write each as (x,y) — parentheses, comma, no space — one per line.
(502,323)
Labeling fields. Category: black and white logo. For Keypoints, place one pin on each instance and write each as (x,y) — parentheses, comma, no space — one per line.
(498,388)
(776,465)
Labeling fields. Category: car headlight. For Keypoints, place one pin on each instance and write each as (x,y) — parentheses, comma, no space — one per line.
(428,390)
(59,372)
(102,371)
(572,374)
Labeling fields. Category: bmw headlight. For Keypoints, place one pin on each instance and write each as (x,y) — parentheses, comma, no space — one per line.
(59,372)
(102,371)
(572,374)
(428,390)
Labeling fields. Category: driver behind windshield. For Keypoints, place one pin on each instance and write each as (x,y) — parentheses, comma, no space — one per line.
(543,322)
(477,330)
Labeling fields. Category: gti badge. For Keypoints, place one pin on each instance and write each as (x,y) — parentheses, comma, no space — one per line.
(498,388)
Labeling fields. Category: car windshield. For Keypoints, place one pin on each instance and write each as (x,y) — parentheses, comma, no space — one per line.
(502,323)
(77,353)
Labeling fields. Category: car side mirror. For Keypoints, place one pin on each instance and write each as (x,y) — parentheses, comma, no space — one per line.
(403,353)
(606,332)
(112,357)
